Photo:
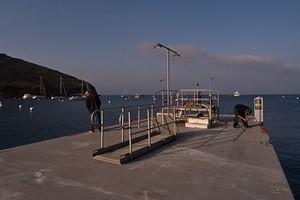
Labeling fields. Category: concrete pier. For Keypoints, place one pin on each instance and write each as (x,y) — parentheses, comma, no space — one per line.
(219,163)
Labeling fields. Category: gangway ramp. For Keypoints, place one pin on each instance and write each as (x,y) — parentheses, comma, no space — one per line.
(137,140)
(119,154)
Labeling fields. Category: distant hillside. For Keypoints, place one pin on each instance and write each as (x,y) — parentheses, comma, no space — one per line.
(18,77)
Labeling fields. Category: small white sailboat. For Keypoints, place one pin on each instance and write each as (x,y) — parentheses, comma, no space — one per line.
(236,94)
(59,98)
(38,97)
(124,96)
(77,98)
(26,96)
(42,93)
(137,96)
(62,91)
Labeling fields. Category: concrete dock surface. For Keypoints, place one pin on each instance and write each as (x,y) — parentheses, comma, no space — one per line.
(219,163)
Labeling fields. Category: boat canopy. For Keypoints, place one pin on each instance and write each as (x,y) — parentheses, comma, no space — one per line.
(198,102)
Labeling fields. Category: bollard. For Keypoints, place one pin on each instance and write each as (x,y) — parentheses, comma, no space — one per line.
(129,133)
(259,110)
(149,128)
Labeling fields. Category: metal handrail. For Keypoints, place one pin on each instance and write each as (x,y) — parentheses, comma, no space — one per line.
(150,125)
(133,106)
(148,129)
(101,120)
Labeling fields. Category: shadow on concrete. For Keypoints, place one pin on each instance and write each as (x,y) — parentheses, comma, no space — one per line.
(198,139)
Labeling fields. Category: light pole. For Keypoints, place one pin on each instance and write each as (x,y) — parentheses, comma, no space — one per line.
(210,96)
(210,85)
(162,92)
(159,45)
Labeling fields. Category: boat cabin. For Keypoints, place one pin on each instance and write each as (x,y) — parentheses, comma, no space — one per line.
(199,108)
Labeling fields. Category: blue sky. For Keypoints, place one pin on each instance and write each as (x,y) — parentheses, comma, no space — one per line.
(250,46)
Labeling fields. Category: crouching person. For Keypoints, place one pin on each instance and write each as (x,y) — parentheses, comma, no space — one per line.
(241,112)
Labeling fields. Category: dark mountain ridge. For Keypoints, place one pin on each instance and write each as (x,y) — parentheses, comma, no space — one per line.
(18,77)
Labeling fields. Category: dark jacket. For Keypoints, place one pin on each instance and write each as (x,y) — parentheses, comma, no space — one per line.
(92,101)
(242,110)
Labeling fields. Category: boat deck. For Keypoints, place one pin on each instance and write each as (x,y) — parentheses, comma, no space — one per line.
(219,163)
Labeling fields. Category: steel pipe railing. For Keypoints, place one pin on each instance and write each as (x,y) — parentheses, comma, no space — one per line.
(150,116)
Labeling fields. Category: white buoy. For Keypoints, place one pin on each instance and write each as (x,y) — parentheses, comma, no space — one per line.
(1,104)
(20,106)
(297,98)
(31,109)
(109,102)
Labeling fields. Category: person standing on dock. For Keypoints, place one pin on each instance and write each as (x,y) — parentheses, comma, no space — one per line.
(241,111)
(92,102)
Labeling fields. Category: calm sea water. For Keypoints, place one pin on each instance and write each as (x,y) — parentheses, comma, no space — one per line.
(51,119)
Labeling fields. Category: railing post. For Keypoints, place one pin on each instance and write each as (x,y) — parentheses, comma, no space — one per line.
(139,116)
(102,131)
(174,114)
(162,115)
(152,116)
(171,98)
(149,128)
(122,124)
(129,133)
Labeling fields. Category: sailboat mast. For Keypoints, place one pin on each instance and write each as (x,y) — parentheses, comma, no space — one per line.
(42,87)
(60,85)
(65,91)
(81,87)
(41,79)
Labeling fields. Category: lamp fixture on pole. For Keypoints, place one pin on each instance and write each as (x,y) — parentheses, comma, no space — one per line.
(157,46)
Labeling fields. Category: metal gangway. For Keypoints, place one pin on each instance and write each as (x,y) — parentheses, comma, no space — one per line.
(130,138)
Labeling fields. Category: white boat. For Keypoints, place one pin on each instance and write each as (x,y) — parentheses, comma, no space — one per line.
(137,96)
(198,108)
(77,98)
(62,91)
(26,96)
(38,97)
(236,94)
(124,97)
(42,93)
(57,98)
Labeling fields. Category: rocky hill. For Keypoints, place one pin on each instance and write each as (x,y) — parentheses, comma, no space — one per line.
(18,77)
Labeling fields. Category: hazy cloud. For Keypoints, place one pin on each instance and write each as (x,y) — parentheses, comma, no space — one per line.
(248,73)
(199,57)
